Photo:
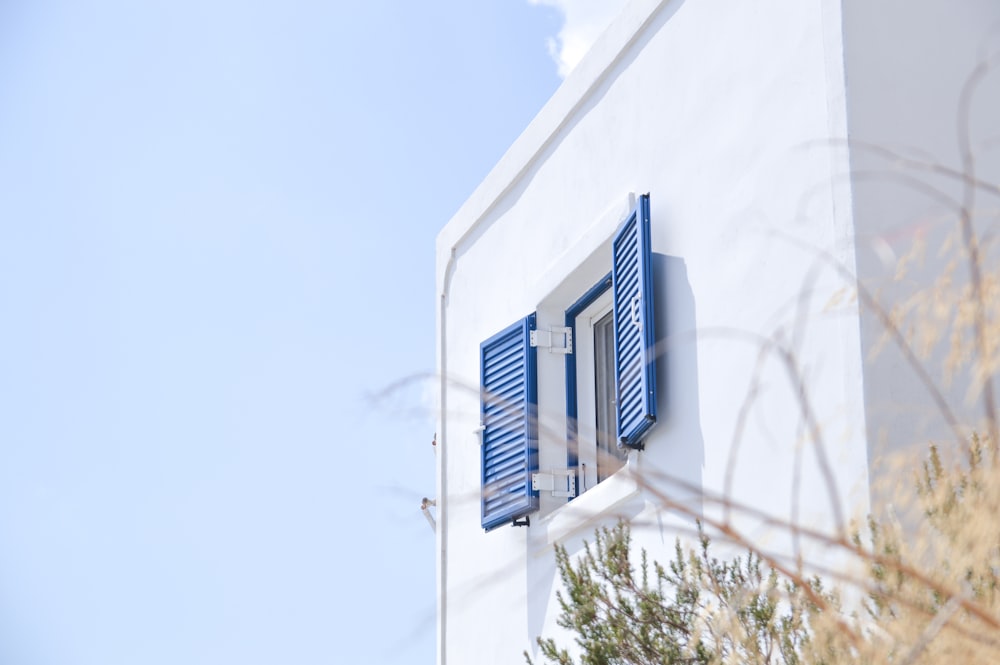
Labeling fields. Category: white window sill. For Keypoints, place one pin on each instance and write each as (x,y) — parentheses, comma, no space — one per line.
(596,503)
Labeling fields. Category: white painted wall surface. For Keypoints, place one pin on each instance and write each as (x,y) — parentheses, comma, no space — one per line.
(907,63)
(723,111)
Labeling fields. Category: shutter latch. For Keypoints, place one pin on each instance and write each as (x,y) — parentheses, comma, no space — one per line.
(556,339)
(561,482)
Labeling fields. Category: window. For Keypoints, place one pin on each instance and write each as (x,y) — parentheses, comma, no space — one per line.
(609,343)
(590,405)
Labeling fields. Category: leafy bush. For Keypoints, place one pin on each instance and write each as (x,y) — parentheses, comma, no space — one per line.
(696,609)
(930,591)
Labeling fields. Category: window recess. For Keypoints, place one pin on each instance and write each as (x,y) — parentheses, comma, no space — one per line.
(610,376)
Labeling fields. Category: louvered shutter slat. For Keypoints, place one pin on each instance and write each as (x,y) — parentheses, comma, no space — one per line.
(510,438)
(635,339)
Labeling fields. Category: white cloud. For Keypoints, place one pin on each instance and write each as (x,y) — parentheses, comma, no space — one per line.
(584,21)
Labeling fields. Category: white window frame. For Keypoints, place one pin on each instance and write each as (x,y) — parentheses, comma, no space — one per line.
(594,463)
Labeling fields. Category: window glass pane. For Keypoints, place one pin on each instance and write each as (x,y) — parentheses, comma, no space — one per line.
(609,457)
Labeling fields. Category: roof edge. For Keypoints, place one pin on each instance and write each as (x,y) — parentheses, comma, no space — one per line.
(556,113)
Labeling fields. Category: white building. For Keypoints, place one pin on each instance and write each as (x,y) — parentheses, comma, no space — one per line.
(728,330)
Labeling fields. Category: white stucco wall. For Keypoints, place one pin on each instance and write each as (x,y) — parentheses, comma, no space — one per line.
(907,63)
(723,112)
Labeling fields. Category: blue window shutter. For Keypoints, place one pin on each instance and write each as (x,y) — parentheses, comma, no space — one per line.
(509,398)
(635,339)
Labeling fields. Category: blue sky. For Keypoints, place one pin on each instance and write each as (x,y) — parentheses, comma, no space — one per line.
(217,223)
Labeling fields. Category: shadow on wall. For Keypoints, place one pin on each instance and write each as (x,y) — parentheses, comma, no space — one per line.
(675,454)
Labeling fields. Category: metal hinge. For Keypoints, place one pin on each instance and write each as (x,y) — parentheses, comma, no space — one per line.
(561,482)
(556,339)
